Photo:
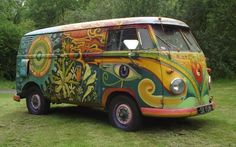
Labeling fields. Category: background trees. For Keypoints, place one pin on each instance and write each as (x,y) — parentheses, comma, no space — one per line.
(13,24)
(213,23)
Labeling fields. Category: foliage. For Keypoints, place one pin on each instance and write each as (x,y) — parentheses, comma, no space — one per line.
(12,27)
(9,34)
(212,22)
(47,13)
(221,37)
(6,84)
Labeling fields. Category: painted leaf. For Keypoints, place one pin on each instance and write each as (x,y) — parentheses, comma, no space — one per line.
(88,91)
(91,79)
(67,89)
(58,89)
(87,72)
(68,77)
(64,91)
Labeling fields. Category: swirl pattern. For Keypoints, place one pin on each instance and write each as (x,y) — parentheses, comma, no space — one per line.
(146,89)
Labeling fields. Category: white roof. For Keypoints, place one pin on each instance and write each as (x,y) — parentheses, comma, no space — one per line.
(109,23)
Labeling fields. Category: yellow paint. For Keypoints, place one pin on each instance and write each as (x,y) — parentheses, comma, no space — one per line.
(146,89)
(180,69)
(146,95)
(160,69)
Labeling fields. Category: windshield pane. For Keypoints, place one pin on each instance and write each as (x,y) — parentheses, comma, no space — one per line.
(145,39)
(170,38)
(191,41)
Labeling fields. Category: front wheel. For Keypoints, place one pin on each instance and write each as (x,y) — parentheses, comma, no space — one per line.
(124,113)
(36,102)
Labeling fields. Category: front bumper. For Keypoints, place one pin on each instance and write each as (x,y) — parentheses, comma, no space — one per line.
(186,112)
(16,98)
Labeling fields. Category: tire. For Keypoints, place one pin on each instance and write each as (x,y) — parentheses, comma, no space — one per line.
(124,113)
(36,103)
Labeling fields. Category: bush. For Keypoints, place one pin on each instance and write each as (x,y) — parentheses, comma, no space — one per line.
(10,35)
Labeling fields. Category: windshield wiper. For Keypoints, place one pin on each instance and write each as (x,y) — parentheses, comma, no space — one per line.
(167,43)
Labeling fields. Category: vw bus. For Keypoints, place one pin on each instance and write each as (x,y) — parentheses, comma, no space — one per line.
(128,67)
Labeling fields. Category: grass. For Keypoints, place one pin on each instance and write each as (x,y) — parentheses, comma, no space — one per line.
(69,125)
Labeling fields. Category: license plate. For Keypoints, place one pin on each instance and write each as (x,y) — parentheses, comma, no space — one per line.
(204,109)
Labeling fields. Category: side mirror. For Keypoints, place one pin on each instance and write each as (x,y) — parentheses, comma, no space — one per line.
(131,44)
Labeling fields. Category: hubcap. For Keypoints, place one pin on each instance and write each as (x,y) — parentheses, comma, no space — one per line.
(35,101)
(123,114)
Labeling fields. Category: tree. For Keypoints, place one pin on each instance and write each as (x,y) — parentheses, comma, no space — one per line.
(213,24)
(46,13)
(11,29)
(220,38)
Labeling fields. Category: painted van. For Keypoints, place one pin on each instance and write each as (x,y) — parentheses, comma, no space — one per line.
(129,67)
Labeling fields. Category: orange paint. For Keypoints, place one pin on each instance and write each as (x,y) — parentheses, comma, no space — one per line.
(109,91)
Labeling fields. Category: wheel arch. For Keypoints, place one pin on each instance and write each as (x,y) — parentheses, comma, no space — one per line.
(111,93)
(27,86)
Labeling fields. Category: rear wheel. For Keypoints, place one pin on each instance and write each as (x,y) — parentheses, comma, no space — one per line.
(36,102)
(124,113)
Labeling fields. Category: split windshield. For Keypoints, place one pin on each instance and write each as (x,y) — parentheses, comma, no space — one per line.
(175,38)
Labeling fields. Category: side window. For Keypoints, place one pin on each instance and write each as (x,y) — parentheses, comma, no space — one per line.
(128,34)
(113,40)
(145,39)
(116,38)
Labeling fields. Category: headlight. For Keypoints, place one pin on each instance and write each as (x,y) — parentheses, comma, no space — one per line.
(177,86)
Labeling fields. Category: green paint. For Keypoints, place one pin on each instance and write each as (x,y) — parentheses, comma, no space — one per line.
(190,102)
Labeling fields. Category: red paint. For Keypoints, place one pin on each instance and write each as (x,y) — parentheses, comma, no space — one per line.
(197,72)
(185,112)
(169,112)
(108,91)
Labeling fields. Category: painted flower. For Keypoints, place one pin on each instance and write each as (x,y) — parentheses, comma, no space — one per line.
(80,90)
(73,71)
(197,72)
(63,84)
(64,80)
(72,89)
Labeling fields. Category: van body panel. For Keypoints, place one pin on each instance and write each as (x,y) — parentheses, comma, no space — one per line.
(192,68)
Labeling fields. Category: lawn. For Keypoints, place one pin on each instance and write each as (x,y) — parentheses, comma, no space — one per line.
(69,125)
